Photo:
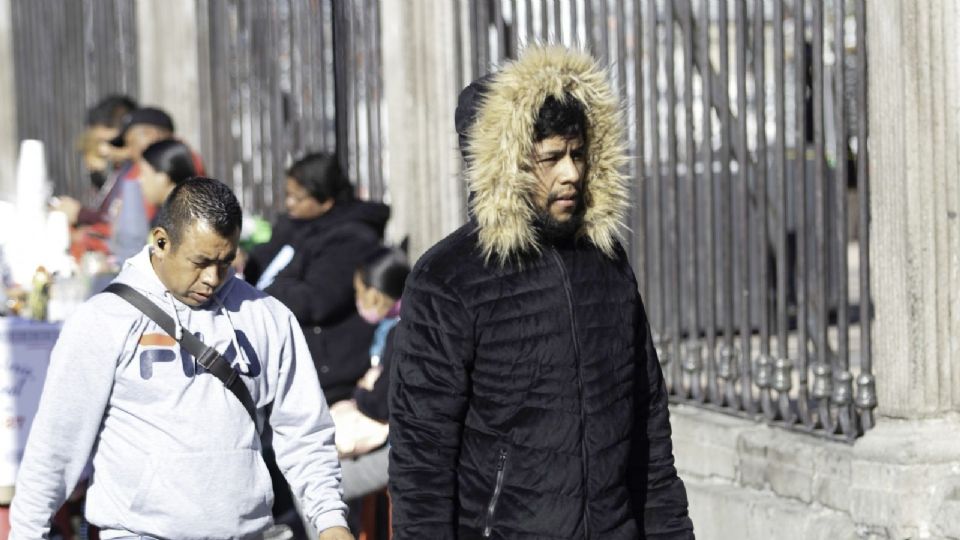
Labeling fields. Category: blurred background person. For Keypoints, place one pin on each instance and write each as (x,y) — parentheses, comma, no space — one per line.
(130,212)
(309,264)
(103,163)
(163,166)
(362,421)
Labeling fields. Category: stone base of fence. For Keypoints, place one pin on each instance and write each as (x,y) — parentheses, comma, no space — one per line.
(752,481)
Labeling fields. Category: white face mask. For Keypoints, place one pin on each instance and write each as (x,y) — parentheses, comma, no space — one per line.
(371,315)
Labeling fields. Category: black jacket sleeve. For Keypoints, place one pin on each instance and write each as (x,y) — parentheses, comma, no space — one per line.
(373,403)
(317,285)
(429,392)
(659,496)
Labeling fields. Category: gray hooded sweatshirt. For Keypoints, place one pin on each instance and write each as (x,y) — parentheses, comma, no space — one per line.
(175,455)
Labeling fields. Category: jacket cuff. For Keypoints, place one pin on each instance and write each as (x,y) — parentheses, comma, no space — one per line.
(333,518)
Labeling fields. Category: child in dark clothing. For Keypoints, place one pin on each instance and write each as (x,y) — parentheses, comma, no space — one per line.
(361,422)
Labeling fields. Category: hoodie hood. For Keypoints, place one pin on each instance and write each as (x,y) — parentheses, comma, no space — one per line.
(495,121)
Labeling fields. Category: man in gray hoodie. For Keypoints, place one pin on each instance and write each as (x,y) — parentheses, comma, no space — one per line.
(175,453)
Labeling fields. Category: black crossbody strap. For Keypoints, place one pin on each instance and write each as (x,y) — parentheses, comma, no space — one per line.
(206,356)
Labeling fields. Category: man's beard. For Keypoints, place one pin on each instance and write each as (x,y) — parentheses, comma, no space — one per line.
(554,231)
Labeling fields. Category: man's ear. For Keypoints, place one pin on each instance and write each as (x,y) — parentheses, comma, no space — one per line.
(161,241)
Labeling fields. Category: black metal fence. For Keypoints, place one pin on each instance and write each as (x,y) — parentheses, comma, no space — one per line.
(277,80)
(283,78)
(68,55)
(750,221)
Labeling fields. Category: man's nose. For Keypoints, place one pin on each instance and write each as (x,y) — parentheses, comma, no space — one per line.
(568,172)
(211,276)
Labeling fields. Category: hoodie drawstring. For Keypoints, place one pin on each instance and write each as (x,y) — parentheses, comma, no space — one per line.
(242,361)
(178,327)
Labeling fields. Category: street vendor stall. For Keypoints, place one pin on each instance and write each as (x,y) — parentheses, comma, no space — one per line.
(25,347)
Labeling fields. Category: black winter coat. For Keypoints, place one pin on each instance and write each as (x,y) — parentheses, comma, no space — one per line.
(527,401)
(317,286)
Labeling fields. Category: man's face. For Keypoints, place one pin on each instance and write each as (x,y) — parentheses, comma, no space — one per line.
(139,136)
(196,267)
(559,166)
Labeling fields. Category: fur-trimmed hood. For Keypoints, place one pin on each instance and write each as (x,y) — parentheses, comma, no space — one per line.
(495,120)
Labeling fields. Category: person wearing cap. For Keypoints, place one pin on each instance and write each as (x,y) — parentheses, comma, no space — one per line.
(104,163)
(130,212)
(140,129)
(526,398)
(124,215)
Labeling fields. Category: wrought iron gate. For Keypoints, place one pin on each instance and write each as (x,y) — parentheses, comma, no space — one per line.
(68,55)
(751,202)
(288,77)
(277,80)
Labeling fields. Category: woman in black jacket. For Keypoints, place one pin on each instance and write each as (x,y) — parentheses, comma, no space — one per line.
(309,264)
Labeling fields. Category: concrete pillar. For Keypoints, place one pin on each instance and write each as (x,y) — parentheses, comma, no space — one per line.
(168,51)
(420,140)
(914,84)
(8,105)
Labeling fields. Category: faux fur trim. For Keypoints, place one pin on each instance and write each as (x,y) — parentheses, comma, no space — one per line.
(501,149)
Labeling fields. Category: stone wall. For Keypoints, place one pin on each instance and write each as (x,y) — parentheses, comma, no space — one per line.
(750,481)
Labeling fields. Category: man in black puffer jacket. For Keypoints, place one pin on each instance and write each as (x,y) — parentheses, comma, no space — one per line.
(527,400)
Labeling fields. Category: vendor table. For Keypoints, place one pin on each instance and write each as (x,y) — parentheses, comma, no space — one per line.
(24,355)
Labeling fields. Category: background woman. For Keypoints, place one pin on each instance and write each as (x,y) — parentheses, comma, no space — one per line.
(309,265)
(163,165)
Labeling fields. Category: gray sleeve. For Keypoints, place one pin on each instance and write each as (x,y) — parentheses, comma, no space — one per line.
(303,435)
(75,395)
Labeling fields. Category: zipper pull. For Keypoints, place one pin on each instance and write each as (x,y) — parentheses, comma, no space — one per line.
(501,460)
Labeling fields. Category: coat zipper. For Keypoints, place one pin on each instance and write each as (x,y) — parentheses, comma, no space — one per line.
(498,487)
(568,289)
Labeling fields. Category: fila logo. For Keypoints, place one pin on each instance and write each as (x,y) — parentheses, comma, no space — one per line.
(162,349)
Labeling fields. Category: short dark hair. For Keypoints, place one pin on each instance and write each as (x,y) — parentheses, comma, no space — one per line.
(385,270)
(200,199)
(172,158)
(564,117)
(320,174)
(110,111)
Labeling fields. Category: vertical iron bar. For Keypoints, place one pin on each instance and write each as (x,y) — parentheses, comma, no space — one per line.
(764,373)
(743,218)
(544,22)
(638,215)
(866,395)
(474,30)
(621,60)
(800,150)
(728,365)
(706,76)
(604,36)
(557,22)
(575,24)
(692,362)
(843,383)
(822,370)
(497,16)
(515,29)
(588,30)
(673,203)
(783,373)
(483,37)
(378,49)
(656,209)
